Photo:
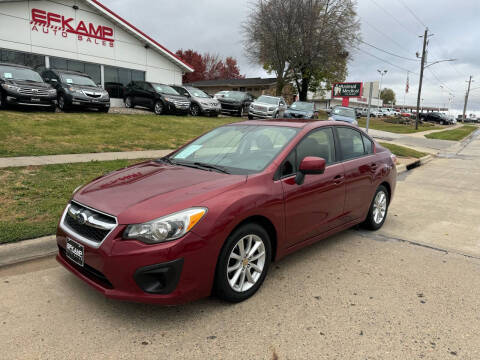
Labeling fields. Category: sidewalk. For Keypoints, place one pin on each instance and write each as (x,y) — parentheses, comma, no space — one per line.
(78,158)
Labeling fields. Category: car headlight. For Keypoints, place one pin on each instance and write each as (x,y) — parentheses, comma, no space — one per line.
(166,228)
(52,91)
(74,90)
(331,119)
(168,99)
(10,87)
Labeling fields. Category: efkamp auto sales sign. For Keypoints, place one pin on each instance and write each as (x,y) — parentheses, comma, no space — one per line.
(59,25)
(347,89)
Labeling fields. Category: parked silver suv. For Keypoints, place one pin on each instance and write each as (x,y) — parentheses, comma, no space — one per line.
(201,102)
(267,107)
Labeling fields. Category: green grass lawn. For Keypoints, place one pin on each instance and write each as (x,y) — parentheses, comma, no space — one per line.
(454,134)
(403,151)
(40,133)
(33,197)
(379,124)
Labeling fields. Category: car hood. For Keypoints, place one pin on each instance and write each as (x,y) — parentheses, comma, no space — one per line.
(342,118)
(175,97)
(264,104)
(299,112)
(30,84)
(149,190)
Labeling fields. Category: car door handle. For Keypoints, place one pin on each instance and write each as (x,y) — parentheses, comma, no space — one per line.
(337,180)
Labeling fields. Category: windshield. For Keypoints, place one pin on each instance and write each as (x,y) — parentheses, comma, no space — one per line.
(234,95)
(267,100)
(197,92)
(73,79)
(303,106)
(344,112)
(14,73)
(239,149)
(165,89)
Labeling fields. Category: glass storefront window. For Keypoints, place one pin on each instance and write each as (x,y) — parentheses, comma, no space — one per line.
(117,78)
(93,70)
(22,58)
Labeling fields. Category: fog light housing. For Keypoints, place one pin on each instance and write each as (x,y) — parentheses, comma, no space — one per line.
(159,278)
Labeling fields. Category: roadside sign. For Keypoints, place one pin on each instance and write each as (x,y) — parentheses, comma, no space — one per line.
(347,89)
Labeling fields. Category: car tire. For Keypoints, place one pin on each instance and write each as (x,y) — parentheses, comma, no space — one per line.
(377,213)
(129,103)
(62,105)
(3,102)
(240,274)
(241,112)
(195,110)
(158,107)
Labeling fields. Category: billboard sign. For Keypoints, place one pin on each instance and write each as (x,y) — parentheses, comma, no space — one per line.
(353,89)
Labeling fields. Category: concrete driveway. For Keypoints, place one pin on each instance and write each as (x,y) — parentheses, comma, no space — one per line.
(408,291)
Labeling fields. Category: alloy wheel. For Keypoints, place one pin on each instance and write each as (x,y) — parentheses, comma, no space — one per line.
(61,102)
(158,108)
(246,263)
(379,207)
(195,110)
(128,102)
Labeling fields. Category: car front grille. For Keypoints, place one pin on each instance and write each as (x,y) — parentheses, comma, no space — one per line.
(260,108)
(33,92)
(92,94)
(181,104)
(88,224)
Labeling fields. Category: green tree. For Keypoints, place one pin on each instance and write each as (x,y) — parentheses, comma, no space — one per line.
(388,96)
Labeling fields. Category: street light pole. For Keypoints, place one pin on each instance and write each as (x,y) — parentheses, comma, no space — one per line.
(382,73)
(466,99)
(421,78)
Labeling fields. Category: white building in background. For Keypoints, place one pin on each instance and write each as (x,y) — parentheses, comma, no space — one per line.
(85,36)
(323,99)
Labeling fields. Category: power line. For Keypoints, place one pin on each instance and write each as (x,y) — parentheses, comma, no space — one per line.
(386,36)
(385,61)
(413,13)
(387,52)
(393,17)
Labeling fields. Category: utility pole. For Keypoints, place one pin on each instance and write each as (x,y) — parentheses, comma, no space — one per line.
(466,99)
(421,77)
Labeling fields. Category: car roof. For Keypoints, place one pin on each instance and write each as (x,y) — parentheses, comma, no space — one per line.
(297,123)
(15,65)
(61,71)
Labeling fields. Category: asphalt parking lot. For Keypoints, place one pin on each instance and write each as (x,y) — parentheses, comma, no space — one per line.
(408,291)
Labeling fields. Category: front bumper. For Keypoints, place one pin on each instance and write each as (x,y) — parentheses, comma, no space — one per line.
(210,110)
(83,101)
(41,101)
(177,109)
(261,114)
(169,273)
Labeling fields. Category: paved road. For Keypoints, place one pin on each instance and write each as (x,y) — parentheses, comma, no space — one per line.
(409,291)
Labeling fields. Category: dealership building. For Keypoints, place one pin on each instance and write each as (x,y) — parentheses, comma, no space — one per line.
(85,36)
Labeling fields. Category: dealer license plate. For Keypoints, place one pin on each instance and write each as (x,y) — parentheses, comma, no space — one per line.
(75,251)
(36,99)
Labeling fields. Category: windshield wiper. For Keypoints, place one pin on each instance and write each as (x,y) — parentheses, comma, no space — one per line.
(213,167)
(166,159)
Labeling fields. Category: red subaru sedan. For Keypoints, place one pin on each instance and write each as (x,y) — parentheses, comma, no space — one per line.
(211,216)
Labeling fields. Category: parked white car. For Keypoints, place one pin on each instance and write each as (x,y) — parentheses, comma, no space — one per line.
(267,107)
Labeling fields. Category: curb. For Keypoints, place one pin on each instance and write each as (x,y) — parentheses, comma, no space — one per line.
(412,165)
(27,250)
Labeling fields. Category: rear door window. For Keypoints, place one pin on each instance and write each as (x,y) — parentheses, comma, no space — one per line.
(351,143)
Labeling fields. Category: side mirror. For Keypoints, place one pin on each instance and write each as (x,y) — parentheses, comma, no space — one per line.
(52,81)
(310,165)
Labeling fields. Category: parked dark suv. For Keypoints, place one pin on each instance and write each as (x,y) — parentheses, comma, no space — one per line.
(76,89)
(235,102)
(21,85)
(159,98)
(435,117)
